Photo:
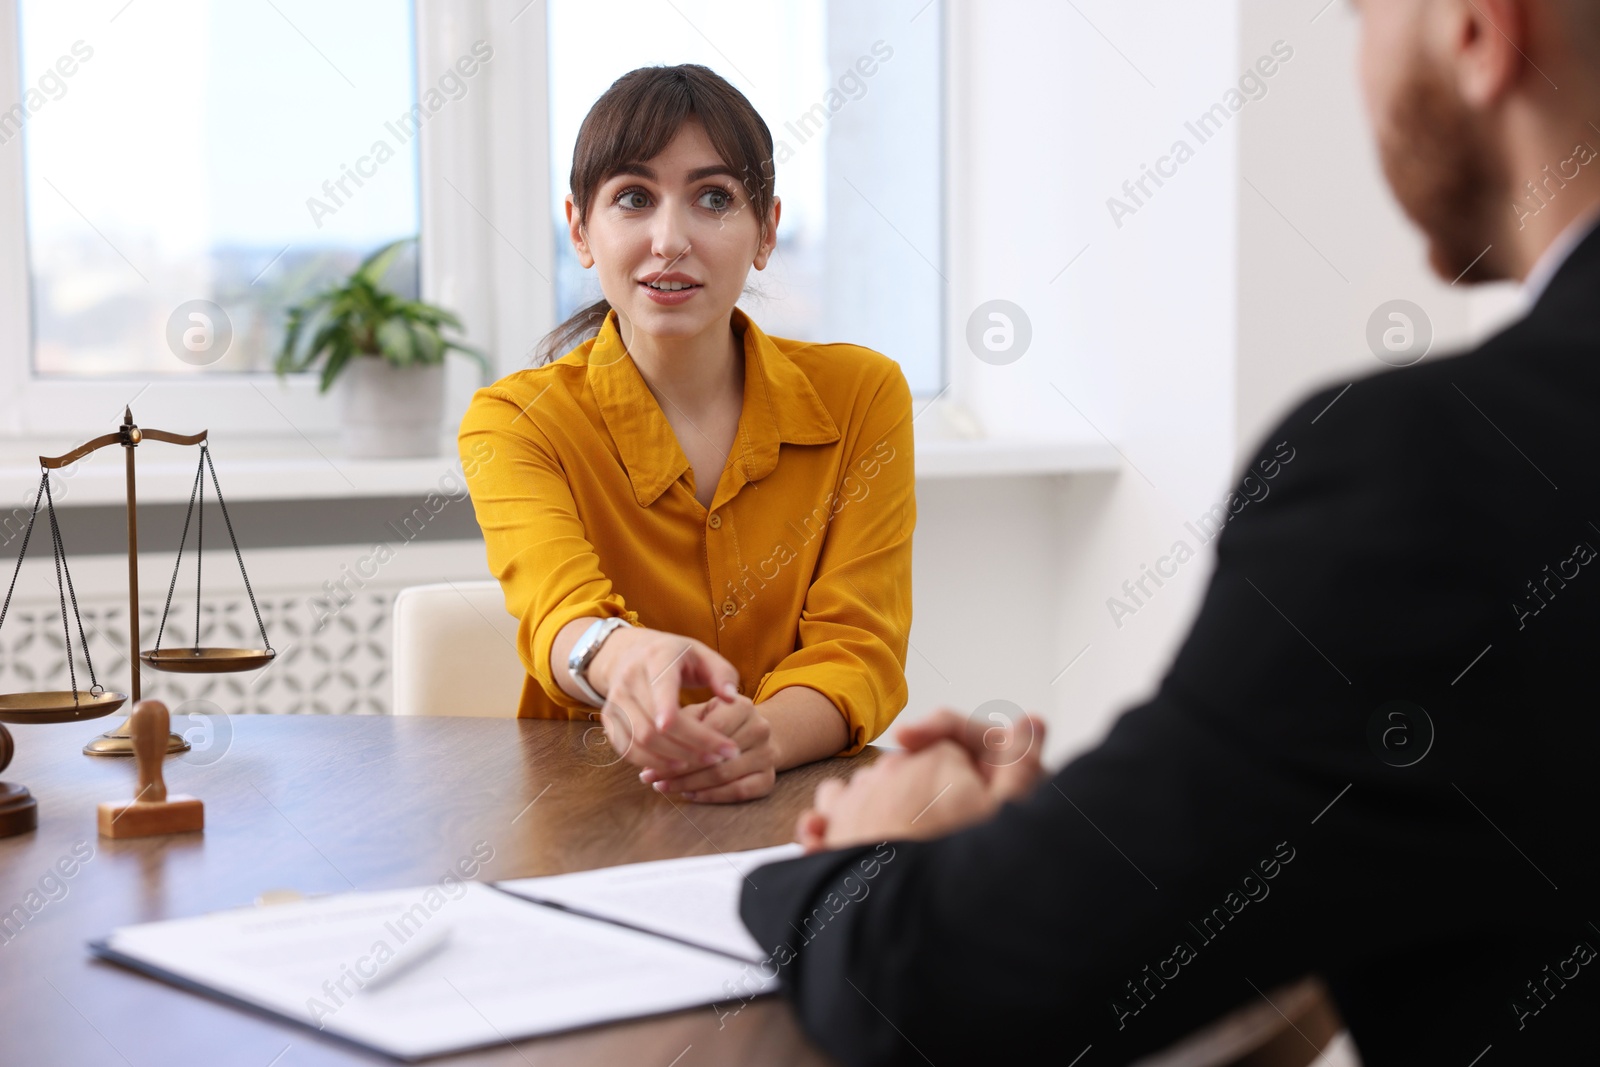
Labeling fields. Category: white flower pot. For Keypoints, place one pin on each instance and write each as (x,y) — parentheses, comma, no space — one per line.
(391,412)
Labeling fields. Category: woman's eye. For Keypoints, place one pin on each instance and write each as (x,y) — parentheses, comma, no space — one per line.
(716,199)
(633,198)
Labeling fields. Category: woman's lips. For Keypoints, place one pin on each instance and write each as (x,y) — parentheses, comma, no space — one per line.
(669,297)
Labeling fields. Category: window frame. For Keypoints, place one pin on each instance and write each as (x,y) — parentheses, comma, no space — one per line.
(487,249)
(465,214)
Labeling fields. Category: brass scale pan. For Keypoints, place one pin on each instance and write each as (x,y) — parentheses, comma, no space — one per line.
(67,705)
(207,660)
(60,705)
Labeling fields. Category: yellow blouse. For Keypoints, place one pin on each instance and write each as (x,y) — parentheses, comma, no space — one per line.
(798,574)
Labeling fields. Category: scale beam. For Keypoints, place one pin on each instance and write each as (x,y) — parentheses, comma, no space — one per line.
(55,462)
(129,435)
(175,438)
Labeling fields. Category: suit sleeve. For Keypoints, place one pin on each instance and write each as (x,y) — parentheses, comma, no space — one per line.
(535,540)
(1221,841)
(855,622)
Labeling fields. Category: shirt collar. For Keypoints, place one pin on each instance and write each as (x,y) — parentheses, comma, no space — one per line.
(1556,255)
(780,407)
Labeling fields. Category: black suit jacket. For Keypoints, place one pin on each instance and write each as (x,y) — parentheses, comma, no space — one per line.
(1373,759)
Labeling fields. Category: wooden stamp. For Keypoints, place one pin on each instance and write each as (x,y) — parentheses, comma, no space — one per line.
(151,812)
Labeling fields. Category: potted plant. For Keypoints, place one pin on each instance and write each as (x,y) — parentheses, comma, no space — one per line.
(388,350)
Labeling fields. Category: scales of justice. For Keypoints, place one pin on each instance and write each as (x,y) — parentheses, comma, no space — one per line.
(18,809)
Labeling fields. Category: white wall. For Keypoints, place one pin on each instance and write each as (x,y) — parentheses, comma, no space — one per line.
(1306,148)
(1241,283)
(984,564)
(1135,339)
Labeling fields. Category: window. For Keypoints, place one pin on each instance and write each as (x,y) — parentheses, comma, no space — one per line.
(154,154)
(204,150)
(852,94)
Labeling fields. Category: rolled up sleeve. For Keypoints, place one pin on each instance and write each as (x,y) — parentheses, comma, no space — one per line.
(854,626)
(537,548)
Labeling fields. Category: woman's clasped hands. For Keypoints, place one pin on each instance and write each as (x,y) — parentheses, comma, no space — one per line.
(717,751)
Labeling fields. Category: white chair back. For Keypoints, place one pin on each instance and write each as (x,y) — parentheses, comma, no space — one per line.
(455,651)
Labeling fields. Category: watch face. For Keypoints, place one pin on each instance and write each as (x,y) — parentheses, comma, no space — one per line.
(588,645)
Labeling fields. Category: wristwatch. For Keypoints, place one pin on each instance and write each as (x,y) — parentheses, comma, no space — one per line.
(584,652)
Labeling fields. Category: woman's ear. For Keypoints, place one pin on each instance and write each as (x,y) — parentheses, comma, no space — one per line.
(769,236)
(580,244)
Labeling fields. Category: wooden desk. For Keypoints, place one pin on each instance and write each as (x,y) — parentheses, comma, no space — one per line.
(326,805)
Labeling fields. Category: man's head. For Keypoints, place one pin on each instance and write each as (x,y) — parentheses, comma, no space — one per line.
(1470,100)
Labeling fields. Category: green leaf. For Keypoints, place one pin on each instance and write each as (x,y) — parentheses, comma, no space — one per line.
(397,343)
(434,316)
(285,363)
(330,370)
(298,318)
(323,340)
(375,266)
(430,346)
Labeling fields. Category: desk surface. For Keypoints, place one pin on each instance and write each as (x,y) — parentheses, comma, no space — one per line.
(327,805)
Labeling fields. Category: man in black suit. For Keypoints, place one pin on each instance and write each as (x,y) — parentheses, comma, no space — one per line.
(1373,758)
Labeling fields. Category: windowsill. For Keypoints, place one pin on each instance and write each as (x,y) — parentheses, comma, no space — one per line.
(303,469)
(989,458)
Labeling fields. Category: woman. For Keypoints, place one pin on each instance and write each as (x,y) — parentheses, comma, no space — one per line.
(704,530)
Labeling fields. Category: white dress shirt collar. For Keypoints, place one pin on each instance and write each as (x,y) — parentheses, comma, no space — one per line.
(1556,255)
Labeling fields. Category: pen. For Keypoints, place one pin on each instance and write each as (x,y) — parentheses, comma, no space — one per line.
(424,944)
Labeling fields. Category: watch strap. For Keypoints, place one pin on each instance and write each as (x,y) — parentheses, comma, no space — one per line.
(584,651)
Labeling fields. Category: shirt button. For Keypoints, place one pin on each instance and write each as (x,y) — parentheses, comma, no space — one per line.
(729,607)
(715,521)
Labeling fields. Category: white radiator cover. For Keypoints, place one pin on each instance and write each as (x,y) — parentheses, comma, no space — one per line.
(326,610)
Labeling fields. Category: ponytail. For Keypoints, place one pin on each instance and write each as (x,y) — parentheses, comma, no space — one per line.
(581,326)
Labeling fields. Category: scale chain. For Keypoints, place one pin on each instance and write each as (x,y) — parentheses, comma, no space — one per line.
(62,569)
(26,537)
(205,456)
(199,539)
(198,493)
(182,543)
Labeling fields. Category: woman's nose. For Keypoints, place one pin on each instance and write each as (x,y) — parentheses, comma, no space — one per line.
(669,238)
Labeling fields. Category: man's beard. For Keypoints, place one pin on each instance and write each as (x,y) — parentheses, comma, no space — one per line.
(1446,175)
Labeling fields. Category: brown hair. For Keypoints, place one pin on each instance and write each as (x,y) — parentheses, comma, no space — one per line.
(633,121)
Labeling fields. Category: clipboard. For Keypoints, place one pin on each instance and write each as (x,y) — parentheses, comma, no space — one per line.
(514,967)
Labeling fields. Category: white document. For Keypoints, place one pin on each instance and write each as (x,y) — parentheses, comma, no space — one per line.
(694,899)
(495,968)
